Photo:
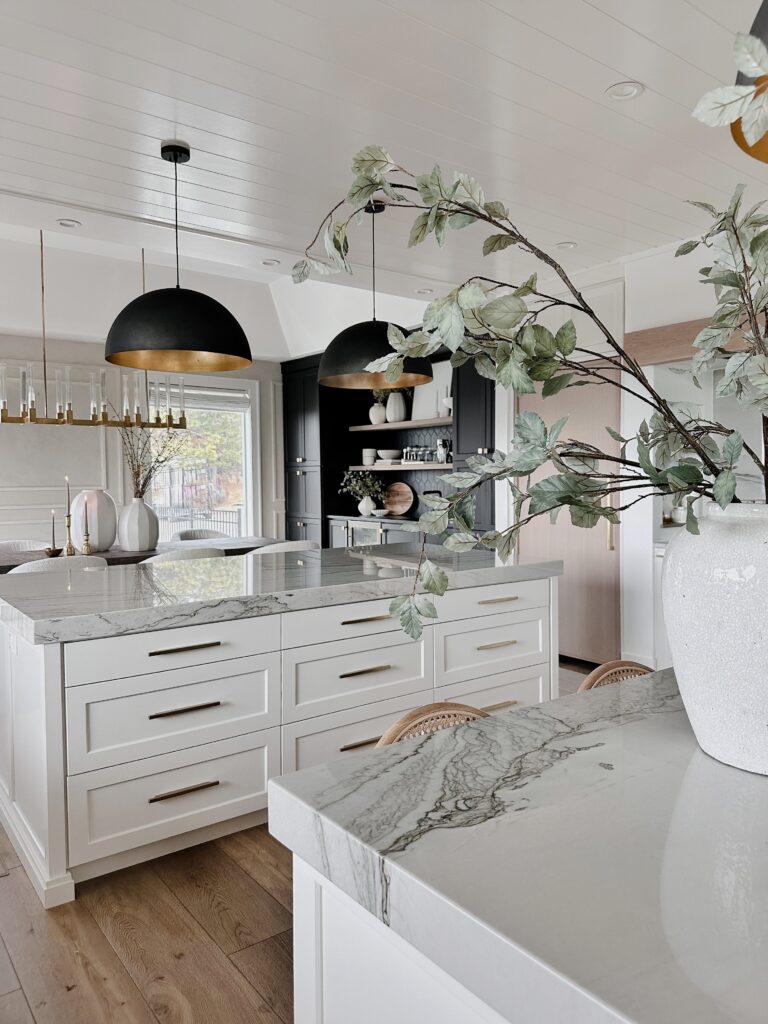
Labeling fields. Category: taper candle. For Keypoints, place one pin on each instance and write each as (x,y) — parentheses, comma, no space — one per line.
(69,503)
(85,516)
(53,528)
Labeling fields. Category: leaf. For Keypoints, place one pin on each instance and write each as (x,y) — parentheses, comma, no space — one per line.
(457,221)
(733,446)
(565,339)
(750,55)
(471,295)
(686,247)
(511,373)
(496,209)
(433,578)
(554,431)
(468,191)
(757,373)
(691,522)
(495,243)
(435,521)
(485,366)
(410,619)
(555,385)
(460,479)
(545,341)
(707,207)
(380,365)
(530,428)
(754,121)
(504,313)
(543,369)
(419,230)
(723,105)
(371,160)
(425,606)
(418,344)
(444,316)
(528,287)
(724,487)
(300,271)
(552,492)
(460,542)
(584,516)
(394,370)
(361,190)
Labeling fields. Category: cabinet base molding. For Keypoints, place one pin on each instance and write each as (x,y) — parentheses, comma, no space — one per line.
(51,891)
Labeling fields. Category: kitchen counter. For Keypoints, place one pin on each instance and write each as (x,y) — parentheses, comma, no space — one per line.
(84,605)
(580,861)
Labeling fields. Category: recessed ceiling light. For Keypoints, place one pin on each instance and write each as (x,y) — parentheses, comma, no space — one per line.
(68,222)
(567,245)
(624,90)
(424,291)
(270,263)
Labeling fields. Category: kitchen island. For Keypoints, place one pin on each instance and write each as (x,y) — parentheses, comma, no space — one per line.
(145,708)
(577,862)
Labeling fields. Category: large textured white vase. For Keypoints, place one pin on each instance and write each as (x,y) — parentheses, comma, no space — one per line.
(395,411)
(715,591)
(138,527)
(102,519)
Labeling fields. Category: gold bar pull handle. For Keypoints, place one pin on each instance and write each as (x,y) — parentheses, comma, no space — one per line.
(358,744)
(364,671)
(182,792)
(185,649)
(499,643)
(490,708)
(367,618)
(499,600)
(184,711)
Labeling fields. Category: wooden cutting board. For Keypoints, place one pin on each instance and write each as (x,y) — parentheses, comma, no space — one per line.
(399,498)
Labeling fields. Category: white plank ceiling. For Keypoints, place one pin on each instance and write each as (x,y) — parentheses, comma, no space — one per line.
(275,96)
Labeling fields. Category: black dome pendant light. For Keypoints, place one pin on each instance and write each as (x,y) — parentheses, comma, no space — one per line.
(177,330)
(343,364)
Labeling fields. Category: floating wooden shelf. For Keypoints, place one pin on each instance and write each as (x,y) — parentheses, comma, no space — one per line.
(435,421)
(405,467)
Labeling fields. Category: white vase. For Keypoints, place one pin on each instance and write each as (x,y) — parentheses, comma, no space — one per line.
(366,506)
(377,413)
(102,519)
(395,411)
(715,593)
(138,527)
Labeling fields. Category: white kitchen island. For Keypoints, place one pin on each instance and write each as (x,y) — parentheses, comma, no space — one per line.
(577,862)
(144,708)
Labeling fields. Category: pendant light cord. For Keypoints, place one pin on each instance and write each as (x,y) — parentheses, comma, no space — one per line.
(176,214)
(373,259)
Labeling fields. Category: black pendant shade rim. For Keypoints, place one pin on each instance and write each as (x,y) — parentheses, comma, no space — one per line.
(177,330)
(343,364)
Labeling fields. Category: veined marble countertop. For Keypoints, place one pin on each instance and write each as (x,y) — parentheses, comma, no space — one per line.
(575,862)
(88,604)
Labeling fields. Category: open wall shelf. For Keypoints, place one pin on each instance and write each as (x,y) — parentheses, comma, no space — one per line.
(404,467)
(435,421)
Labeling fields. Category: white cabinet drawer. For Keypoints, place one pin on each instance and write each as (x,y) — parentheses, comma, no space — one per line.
(89,661)
(338,622)
(126,719)
(476,602)
(120,808)
(332,737)
(500,692)
(330,677)
(481,647)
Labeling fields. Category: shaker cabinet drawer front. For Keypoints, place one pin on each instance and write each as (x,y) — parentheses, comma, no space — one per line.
(331,677)
(496,599)
(126,719)
(499,643)
(332,737)
(120,808)
(339,622)
(501,692)
(89,661)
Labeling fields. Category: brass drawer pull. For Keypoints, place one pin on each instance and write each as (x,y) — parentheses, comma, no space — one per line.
(499,643)
(301,459)
(498,707)
(498,600)
(183,711)
(368,618)
(182,792)
(359,743)
(185,649)
(365,671)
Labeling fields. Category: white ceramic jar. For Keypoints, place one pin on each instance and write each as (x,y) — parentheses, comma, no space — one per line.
(102,519)
(138,528)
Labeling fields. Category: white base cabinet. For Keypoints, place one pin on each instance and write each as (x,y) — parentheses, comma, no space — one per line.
(115,750)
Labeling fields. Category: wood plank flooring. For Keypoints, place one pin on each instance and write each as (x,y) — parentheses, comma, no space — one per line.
(202,936)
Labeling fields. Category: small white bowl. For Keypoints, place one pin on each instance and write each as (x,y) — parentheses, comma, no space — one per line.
(388,454)
(380,512)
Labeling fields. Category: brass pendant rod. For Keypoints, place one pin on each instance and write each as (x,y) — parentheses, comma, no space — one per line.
(144,292)
(42,316)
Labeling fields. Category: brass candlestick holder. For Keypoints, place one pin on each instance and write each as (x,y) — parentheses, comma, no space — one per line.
(86,548)
(69,548)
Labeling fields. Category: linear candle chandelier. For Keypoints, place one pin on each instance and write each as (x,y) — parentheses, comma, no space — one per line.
(132,386)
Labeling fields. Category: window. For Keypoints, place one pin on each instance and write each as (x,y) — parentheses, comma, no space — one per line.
(207,485)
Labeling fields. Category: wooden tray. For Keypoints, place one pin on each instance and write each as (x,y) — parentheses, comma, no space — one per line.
(399,498)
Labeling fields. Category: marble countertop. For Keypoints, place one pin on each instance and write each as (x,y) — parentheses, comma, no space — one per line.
(89,604)
(580,860)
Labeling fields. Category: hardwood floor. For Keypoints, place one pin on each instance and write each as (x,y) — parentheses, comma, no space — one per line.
(202,936)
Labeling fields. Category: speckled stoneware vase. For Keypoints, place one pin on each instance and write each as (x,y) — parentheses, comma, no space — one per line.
(715,592)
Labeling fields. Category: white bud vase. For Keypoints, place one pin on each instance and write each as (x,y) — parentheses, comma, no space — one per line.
(366,506)
(395,407)
(102,519)
(377,413)
(138,527)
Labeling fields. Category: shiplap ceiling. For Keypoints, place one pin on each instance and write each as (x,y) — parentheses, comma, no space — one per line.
(274,98)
